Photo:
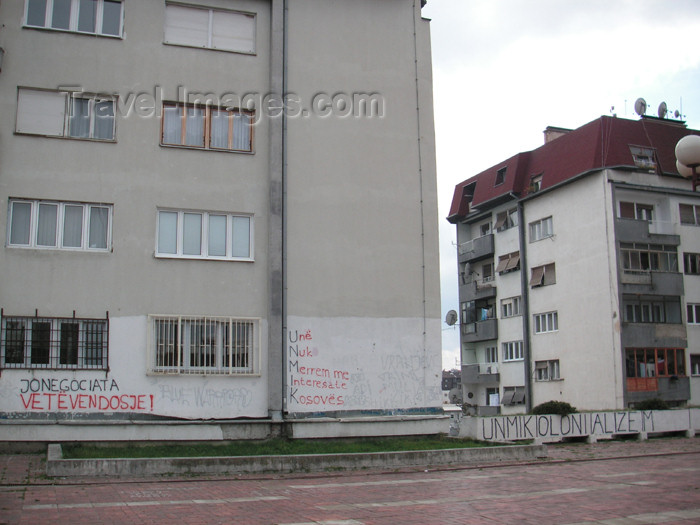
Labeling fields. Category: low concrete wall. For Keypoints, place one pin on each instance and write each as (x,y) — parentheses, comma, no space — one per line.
(591,425)
(56,466)
(369,426)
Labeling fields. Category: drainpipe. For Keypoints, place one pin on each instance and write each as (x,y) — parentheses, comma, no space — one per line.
(525,291)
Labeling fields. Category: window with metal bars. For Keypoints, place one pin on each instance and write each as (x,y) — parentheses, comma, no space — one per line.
(204,345)
(54,342)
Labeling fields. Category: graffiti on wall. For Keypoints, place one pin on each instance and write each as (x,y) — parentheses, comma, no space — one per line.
(518,427)
(56,395)
(204,397)
(310,384)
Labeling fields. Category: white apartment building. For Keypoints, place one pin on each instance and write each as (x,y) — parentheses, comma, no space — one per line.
(217,210)
(579,276)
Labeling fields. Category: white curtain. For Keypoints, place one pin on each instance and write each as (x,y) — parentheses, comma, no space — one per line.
(46,230)
(72,226)
(194,131)
(172,125)
(217,235)
(192,232)
(104,120)
(99,222)
(167,232)
(79,120)
(219,129)
(21,220)
(241,237)
(241,132)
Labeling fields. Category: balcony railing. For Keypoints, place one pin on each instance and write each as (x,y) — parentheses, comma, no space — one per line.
(480,331)
(478,248)
(480,373)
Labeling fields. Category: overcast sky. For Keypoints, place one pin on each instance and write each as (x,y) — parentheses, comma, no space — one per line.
(504,70)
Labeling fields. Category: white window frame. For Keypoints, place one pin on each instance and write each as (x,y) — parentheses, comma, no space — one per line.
(511,307)
(31,121)
(694,210)
(642,211)
(74,19)
(542,229)
(546,322)
(695,364)
(544,275)
(547,370)
(170,39)
(491,354)
(512,351)
(693,313)
(233,344)
(204,235)
(35,206)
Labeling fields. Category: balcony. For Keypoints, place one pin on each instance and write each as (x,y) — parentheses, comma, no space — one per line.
(674,388)
(476,249)
(475,289)
(481,331)
(486,374)
(660,283)
(653,232)
(655,335)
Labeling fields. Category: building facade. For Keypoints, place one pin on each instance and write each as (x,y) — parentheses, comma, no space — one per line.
(578,272)
(195,197)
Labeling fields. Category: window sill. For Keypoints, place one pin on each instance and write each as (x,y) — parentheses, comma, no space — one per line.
(197,148)
(58,249)
(244,53)
(69,31)
(63,137)
(195,258)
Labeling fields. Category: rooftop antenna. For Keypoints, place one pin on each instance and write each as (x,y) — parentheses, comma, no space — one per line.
(640,107)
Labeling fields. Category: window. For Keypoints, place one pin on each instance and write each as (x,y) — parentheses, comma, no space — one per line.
(510,307)
(95,17)
(651,309)
(54,342)
(60,225)
(691,263)
(492,397)
(690,214)
(655,362)
(513,395)
(487,272)
(547,370)
(207,127)
(209,28)
(543,275)
(695,364)
(644,158)
(62,114)
(541,229)
(547,322)
(508,263)
(506,219)
(491,354)
(204,345)
(204,235)
(535,183)
(485,228)
(693,311)
(500,176)
(637,211)
(512,351)
(638,257)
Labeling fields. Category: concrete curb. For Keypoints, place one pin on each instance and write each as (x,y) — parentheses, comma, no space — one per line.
(56,466)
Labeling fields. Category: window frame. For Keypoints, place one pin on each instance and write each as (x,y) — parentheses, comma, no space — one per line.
(207,121)
(637,211)
(204,239)
(512,351)
(500,176)
(511,307)
(506,264)
(210,28)
(538,231)
(548,370)
(691,263)
(54,352)
(692,311)
(644,157)
(35,125)
(544,275)
(651,309)
(648,258)
(74,19)
(695,364)
(546,322)
(60,225)
(219,345)
(655,361)
(694,210)
(491,354)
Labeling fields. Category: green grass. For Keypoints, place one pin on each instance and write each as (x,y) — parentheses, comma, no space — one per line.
(270,447)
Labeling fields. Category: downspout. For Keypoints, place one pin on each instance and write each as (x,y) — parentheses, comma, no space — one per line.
(524,290)
(285,37)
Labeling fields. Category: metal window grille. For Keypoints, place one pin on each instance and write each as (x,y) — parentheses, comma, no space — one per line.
(204,345)
(54,342)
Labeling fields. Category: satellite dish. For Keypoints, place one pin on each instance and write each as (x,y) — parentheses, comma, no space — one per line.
(676,114)
(663,109)
(640,106)
(451,318)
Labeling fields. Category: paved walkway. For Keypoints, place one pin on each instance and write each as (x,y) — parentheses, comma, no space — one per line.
(612,483)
